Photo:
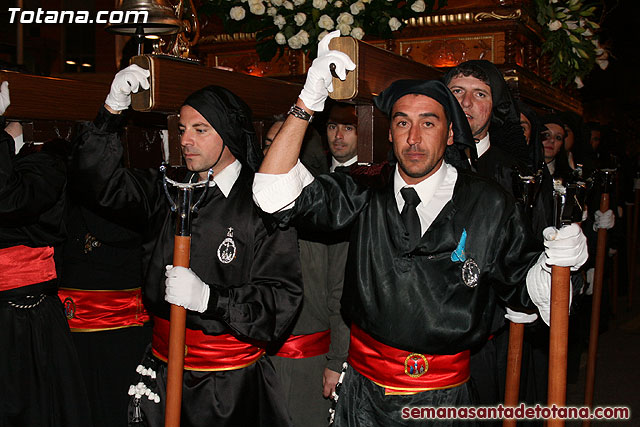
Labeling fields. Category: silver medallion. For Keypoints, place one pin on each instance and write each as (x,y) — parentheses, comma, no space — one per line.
(470,273)
(227,249)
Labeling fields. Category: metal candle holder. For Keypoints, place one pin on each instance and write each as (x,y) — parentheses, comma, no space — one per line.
(183,207)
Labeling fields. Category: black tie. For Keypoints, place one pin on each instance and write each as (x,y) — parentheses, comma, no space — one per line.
(410,215)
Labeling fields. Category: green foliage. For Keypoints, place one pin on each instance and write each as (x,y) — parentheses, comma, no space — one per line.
(570,38)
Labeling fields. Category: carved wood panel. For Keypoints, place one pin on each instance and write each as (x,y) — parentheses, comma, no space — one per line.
(451,50)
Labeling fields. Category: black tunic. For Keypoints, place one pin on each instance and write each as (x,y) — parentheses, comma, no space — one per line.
(414,298)
(253,297)
(39,381)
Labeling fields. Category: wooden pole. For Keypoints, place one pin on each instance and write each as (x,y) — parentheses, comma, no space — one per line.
(632,279)
(558,343)
(514,362)
(177,327)
(595,309)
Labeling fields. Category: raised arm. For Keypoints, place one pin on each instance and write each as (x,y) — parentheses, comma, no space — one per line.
(285,149)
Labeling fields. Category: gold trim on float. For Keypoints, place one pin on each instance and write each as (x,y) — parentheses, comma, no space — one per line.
(411,390)
(487,16)
(228,38)
(104,329)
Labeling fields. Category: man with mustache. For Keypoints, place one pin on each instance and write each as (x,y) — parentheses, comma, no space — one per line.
(243,287)
(430,253)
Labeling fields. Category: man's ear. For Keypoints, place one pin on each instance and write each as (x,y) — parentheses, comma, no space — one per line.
(390,138)
(450,137)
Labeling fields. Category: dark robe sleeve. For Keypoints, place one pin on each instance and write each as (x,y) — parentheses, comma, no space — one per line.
(331,202)
(517,251)
(264,307)
(29,185)
(129,196)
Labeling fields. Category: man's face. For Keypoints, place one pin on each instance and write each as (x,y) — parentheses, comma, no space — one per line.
(201,144)
(474,97)
(525,124)
(419,134)
(343,140)
(552,140)
(271,134)
(595,139)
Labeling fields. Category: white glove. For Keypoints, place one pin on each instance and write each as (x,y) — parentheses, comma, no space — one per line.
(319,79)
(124,83)
(539,287)
(184,288)
(4,97)
(518,317)
(566,247)
(604,220)
(590,276)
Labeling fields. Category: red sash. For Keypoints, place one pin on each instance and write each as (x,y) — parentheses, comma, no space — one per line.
(403,372)
(302,346)
(206,352)
(22,266)
(91,311)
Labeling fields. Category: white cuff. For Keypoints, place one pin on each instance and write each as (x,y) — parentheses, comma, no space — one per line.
(277,192)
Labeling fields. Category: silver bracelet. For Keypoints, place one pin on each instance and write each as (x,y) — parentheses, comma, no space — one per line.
(299,113)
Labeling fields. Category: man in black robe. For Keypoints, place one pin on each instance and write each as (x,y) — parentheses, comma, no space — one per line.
(243,288)
(39,379)
(429,255)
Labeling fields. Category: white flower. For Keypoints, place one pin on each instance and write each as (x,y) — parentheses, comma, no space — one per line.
(572,25)
(257,9)
(300,19)
(366,1)
(237,13)
(295,42)
(338,4)
(345,18)
(298,2)
(277,3)
(357,33)
(587,33)
(418,6)
(319,4)
(322,34)
(325,22)
(279,21)
(345,29)
(288,5)
(554,1)
(356,7)
(394,24)
(254,2)
(303,36)
(554,25)
(281,39)
(578,82)
(272,11)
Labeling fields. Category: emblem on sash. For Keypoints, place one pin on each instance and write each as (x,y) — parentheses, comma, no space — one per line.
(470,273)
(227,249)
(415,365)
(69,308)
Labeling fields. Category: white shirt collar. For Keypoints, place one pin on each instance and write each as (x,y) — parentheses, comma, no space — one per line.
(227,177)
(335,163)
(425,188)
(483,145)
(552,166)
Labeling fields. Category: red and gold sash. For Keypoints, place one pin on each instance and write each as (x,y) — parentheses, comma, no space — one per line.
(23,266)
(404,372)
(206,352)
(309,345)
(92,311)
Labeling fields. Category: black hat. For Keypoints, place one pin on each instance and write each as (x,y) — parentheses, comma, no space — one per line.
(231,118)
(436,90)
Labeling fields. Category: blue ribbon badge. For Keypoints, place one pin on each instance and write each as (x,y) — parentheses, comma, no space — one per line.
(458,255)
